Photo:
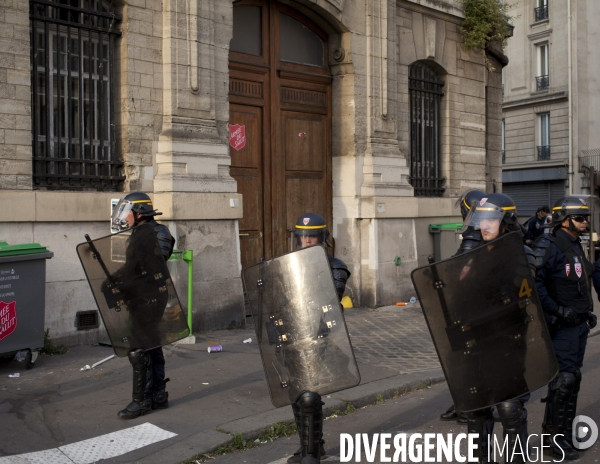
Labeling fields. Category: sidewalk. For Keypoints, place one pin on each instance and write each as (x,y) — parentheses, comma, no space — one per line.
(212,396)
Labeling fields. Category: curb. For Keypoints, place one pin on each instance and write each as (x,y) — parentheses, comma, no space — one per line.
(359,396)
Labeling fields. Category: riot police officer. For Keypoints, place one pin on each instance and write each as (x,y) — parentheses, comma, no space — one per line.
(148,366)
(311,230)
(494,215)
(471,238)
(564,287)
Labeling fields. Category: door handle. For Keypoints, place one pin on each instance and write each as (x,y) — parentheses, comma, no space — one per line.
(244,235)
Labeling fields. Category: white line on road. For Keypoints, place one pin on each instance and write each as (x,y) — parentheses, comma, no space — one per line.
(92,450)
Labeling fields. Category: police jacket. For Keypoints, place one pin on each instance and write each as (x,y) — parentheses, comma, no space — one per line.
(563,273)
(534,228)
(164,237)
(340,274)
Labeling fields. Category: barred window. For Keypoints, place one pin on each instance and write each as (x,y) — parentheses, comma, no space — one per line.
(425,92)
(72,56)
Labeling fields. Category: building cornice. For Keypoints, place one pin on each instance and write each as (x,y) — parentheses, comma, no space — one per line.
(536,100)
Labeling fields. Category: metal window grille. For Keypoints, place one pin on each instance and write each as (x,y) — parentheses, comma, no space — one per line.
(541,13)
(72,43)
(543,152)
(425,88)
(542,82)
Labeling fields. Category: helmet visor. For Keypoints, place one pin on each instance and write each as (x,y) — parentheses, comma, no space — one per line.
(486,216)
(122,217)
(304,238)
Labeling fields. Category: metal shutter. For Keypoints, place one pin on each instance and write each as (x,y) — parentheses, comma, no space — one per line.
(529,196)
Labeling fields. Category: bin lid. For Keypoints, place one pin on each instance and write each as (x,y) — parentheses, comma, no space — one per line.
(21,249)
(450,225)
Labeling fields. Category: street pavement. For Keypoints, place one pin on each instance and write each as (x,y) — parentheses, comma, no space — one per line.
(51,409)
(62,415)
(418,412)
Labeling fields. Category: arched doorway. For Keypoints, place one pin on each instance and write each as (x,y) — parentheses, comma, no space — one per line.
(280,123)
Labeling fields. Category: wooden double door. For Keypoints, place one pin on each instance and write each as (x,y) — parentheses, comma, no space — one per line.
(280,124)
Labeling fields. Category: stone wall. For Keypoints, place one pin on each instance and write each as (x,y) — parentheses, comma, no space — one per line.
(15,96)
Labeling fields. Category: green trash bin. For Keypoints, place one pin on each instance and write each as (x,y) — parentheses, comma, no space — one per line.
(22,299)
(446,239)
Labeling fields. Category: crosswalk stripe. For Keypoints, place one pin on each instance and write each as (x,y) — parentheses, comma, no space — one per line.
(94,449)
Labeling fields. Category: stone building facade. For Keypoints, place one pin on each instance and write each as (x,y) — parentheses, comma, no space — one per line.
(375,117)
(551,131)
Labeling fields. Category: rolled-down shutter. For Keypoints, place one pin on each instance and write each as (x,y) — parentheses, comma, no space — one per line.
(529,196)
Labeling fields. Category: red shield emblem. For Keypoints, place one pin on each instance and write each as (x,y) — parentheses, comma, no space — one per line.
(578,269)
(306,221)
(237,136)
(568,269)
(8,318)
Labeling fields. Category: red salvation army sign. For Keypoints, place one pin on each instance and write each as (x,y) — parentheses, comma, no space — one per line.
(237,136)
(8,318)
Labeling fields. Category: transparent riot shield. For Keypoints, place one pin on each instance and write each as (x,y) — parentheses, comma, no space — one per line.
(133,290)
(487,325)
(299,325)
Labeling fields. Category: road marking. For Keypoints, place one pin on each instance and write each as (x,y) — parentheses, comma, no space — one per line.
(92,450)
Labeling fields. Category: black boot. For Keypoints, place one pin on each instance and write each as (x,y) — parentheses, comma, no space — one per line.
(297,456)
(141,402)
(160,397)
(482,423)
(559,392)
(572,409)
(515,430)
(450,414)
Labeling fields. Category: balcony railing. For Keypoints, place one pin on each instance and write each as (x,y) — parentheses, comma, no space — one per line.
(543,152)
(589,159)
(542,82)
(503,157)
(541,13)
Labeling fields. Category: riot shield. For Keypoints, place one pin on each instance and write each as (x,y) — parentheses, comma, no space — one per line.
(133,290)
(486,322)
(299,325)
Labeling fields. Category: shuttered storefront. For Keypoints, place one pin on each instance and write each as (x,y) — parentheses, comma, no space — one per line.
(529,196)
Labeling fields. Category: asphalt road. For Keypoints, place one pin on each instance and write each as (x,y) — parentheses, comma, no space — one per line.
(418,412)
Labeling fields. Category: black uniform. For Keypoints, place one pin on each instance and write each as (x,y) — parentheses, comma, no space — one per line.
(563,283)
(535,228)
(563,280)
(148,366)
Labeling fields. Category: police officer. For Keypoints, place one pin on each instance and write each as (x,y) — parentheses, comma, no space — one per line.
(563,284)
(494,215)
(148,366)
(471,238)
(536,224)
(311,230)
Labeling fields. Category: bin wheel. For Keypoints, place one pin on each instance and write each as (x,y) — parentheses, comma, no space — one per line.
(30,359)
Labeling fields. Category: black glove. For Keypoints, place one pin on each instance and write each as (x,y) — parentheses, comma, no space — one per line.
(592,320)
(567,315)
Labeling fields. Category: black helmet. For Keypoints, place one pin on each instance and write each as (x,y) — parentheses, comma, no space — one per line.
(141,204)
(572,205)
(311,224)
(466,200)
(137,202)
(493,206)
